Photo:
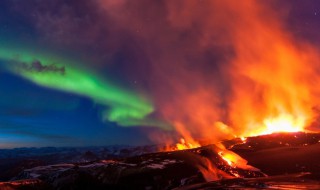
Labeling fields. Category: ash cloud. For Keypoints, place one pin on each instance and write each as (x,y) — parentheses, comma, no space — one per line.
(38,67)
(191,56)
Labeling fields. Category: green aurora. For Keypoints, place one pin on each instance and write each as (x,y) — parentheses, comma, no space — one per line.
(124,107)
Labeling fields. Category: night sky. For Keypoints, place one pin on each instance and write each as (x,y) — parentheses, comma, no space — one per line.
(103,72)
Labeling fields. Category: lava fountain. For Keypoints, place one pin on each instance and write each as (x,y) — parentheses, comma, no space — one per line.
(222,70)
(271,76)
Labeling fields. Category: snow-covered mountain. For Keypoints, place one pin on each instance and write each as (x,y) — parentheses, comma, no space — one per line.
(13,161)
(286,161)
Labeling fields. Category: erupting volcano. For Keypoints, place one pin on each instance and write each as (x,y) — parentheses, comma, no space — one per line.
(271,78)
(209,94)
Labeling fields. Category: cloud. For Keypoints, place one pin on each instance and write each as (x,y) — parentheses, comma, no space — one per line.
(206,64)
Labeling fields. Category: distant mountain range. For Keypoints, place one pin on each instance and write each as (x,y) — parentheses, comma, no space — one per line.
(13,161)
(284,161)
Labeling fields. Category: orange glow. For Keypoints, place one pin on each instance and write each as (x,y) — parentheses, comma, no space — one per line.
(186,145)
(210,172)
(182,145)
(233,159)
(227,157)
(282,123)
(186,142)
(244,139)
(19,183)
(271,78)
(221,69)
(285,123)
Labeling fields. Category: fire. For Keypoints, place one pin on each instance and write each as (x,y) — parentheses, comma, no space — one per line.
(182,145)
(233,159)
(221,69)
(243,139)
(273,77)
(267,85)
(186,142)
(227,157)
(285,123)
(186,145)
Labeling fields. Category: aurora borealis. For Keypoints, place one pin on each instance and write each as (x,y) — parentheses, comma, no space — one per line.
(124,107)
(82,73)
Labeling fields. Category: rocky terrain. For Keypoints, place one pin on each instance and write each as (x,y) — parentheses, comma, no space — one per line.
(14,161)
(285,161)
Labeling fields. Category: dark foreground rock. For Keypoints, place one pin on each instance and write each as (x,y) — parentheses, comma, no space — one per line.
(287,159)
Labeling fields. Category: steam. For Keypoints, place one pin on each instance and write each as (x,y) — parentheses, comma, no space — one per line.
(215,69)
(221,69)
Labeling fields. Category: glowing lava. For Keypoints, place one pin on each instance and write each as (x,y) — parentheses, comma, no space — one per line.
(283,123)
(243,139)
(227,157)
(233,159)
(183,144)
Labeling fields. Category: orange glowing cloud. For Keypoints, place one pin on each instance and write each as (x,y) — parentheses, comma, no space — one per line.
(220,69)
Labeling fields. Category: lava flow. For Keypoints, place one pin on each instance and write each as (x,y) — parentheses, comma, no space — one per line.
(186,145)
(266,84)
